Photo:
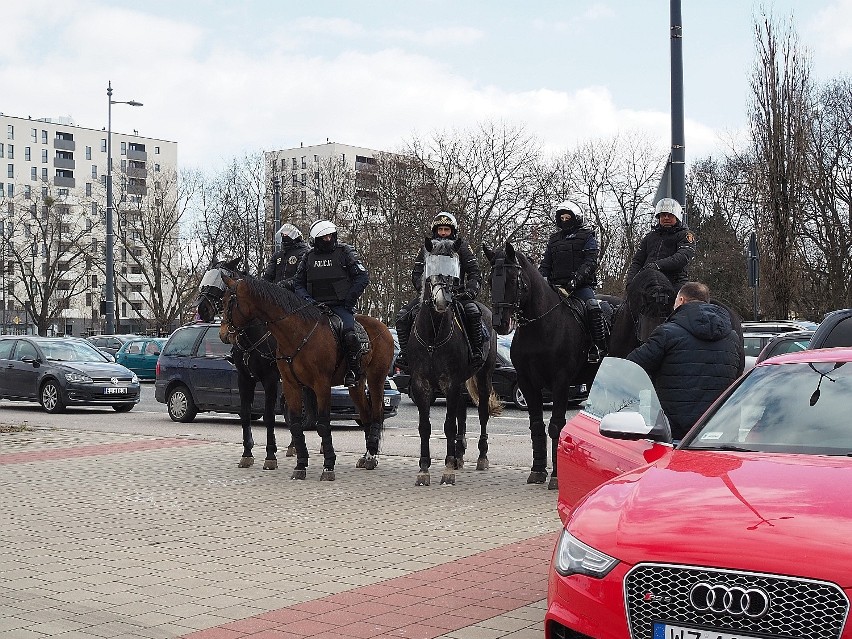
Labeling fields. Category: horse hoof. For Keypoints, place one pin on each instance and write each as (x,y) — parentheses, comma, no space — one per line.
(299,473)
(291,451)
(537,477)
(371,462)
(423,479)
(270,464)
(449,479)
(553,484)
(327,475)
(482,464)
(246,462)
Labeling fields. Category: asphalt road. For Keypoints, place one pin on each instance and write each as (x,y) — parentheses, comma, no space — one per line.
(508,434)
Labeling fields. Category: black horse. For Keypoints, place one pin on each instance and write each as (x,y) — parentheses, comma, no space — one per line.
(549,349)
(438,353)
(649,300)
(253,355)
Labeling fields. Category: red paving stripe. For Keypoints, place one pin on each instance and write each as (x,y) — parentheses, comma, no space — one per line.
(422,605)
(95,450)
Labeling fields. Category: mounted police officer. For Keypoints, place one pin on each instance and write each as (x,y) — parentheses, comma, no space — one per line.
(332,273)
(445,226)
(668,247)
(570,264)
(283,264)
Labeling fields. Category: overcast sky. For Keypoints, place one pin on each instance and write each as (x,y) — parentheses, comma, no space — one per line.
(227,78)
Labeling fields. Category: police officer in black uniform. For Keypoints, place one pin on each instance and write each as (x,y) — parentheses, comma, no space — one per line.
(285,261)
(331,273)
(444,226)
(668,247)
(570,264)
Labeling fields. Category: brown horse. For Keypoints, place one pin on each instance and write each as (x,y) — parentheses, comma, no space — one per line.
(309,358)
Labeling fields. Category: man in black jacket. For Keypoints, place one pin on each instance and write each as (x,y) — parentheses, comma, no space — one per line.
(444,226)
(668,247)
(331,273)
(692,357)
(570,264)
(283,264)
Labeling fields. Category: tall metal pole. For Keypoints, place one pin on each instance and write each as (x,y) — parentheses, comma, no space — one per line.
(110,237)
(678,139)
(276,211)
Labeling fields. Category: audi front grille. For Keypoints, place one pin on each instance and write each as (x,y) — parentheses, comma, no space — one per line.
(756,604)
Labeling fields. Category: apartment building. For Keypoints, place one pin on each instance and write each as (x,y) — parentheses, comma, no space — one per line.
(53,162)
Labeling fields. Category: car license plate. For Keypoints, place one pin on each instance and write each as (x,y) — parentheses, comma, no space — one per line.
(387,401)
(115,390)
(667,631)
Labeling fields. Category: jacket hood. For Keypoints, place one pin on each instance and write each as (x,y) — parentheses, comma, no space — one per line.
(759,512)
(707,322)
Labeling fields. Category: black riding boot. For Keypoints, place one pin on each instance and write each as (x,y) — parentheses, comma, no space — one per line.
(404,322)
(353,346)
(474,333)
(597,327)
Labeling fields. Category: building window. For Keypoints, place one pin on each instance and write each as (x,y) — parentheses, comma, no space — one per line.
(124,148)
(88,189)
(11,152)
(27,154)
(304,163)
(10,170)
(156,150)
(43,136)
(33,174)
(88,153)
(28,191)
(44,174)
(156,168)
(10,190)
(10,131)
(124,166)
(1,149)
(295,166)
(34,134)
(94,171)
(94,208)
(44,156)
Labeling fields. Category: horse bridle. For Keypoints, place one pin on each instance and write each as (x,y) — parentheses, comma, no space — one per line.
(498,295)
(431,347)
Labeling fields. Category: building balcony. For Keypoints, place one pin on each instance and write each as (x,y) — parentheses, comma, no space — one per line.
(137,188)
(64,182)
(62,163)
(63,145)
(133,154)
(141,173)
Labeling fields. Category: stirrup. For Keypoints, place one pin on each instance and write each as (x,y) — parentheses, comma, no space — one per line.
(350,379)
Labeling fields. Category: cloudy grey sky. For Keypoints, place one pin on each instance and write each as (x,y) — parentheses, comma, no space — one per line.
(227,78)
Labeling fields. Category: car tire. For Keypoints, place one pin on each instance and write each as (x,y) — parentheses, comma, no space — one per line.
(180,404)
(518,398)
(50,397)
(122,408)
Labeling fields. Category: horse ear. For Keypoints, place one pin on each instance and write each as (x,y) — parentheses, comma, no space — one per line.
(427,242)
(489,254)
(232,264)
(510,252)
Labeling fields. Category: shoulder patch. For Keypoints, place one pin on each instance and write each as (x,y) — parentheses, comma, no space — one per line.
(690,237)
(292,259)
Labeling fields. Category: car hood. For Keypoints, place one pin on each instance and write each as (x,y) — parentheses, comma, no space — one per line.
(96,369)
(786,514)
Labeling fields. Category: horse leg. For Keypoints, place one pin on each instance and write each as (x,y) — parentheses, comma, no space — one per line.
(246,384)
(485,390)
(421,392)
(461,431)
(270,389)
(291,447)
(369,460)
(293,400)
(450,431)
(323,424)
(554,428)
(538,472)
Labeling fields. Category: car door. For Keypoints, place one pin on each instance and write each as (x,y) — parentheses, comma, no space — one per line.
(131,356)
(22,375)
(6,346)
(213,377)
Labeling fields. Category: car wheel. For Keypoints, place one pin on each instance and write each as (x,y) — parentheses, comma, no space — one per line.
(180,405)
(51,397)
(122,408)
(518,398)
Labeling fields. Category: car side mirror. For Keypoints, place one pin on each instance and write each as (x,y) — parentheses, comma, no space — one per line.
(631,425)
(32,360)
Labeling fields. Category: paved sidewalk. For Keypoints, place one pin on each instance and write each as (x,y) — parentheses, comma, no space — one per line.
(108,535)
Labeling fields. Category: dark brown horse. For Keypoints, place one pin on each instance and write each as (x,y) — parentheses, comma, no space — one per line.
(310,358)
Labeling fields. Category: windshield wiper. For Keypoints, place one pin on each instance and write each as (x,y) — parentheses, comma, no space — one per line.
(727,447)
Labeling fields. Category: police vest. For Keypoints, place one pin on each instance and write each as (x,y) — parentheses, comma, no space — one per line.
(326,275)
(287,261)
(567,253)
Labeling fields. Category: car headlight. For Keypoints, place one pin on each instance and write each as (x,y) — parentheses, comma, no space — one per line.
(78,378)
(573,557)
(134,379)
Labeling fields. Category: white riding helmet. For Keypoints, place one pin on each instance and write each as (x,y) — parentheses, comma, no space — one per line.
(322,227)
(571,207)
(289,231)
(445,219)
(668,205)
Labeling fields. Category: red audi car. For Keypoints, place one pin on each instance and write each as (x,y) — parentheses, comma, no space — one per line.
(740,531)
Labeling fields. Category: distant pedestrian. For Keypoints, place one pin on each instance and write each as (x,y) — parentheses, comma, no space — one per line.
(692,357)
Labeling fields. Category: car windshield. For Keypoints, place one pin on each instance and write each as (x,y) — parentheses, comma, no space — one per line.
(504,347)
(791,408)
(621,385)
(72,352)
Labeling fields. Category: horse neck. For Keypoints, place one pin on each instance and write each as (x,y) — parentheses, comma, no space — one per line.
(540,297)
(430,323)
(288,329)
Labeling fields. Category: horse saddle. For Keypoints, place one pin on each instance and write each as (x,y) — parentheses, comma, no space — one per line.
(337,328)
(581,311)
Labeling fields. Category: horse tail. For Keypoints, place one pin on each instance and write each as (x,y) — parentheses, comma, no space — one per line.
(495,406)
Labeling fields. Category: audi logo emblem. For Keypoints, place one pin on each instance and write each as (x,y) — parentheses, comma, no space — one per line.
(732,600)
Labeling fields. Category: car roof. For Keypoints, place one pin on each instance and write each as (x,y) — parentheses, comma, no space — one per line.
(777,326)
(840,354)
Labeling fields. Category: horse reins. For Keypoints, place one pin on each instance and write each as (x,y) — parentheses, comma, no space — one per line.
(498,294)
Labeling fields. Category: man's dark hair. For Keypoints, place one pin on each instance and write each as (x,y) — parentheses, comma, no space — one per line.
(694,292)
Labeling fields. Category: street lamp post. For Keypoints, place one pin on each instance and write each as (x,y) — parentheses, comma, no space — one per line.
(110,235)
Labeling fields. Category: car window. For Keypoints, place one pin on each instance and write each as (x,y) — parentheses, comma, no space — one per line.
(790,346)
(134,348)
(25,350)
(797,408)
(72,351)
(182,342)
(841,335)
(754,344)
(623,385)
(211,345)
(6,348)
(152,348)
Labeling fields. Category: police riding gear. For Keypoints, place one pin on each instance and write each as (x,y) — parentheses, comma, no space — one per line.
(352,347)
(404,322)
(668,205)
(445,219)
(597,327)
(323,236)
(577,217)
(473,324)
(288,233)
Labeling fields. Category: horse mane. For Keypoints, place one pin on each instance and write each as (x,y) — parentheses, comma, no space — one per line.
(642,282)
(443,247)
(285,299)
